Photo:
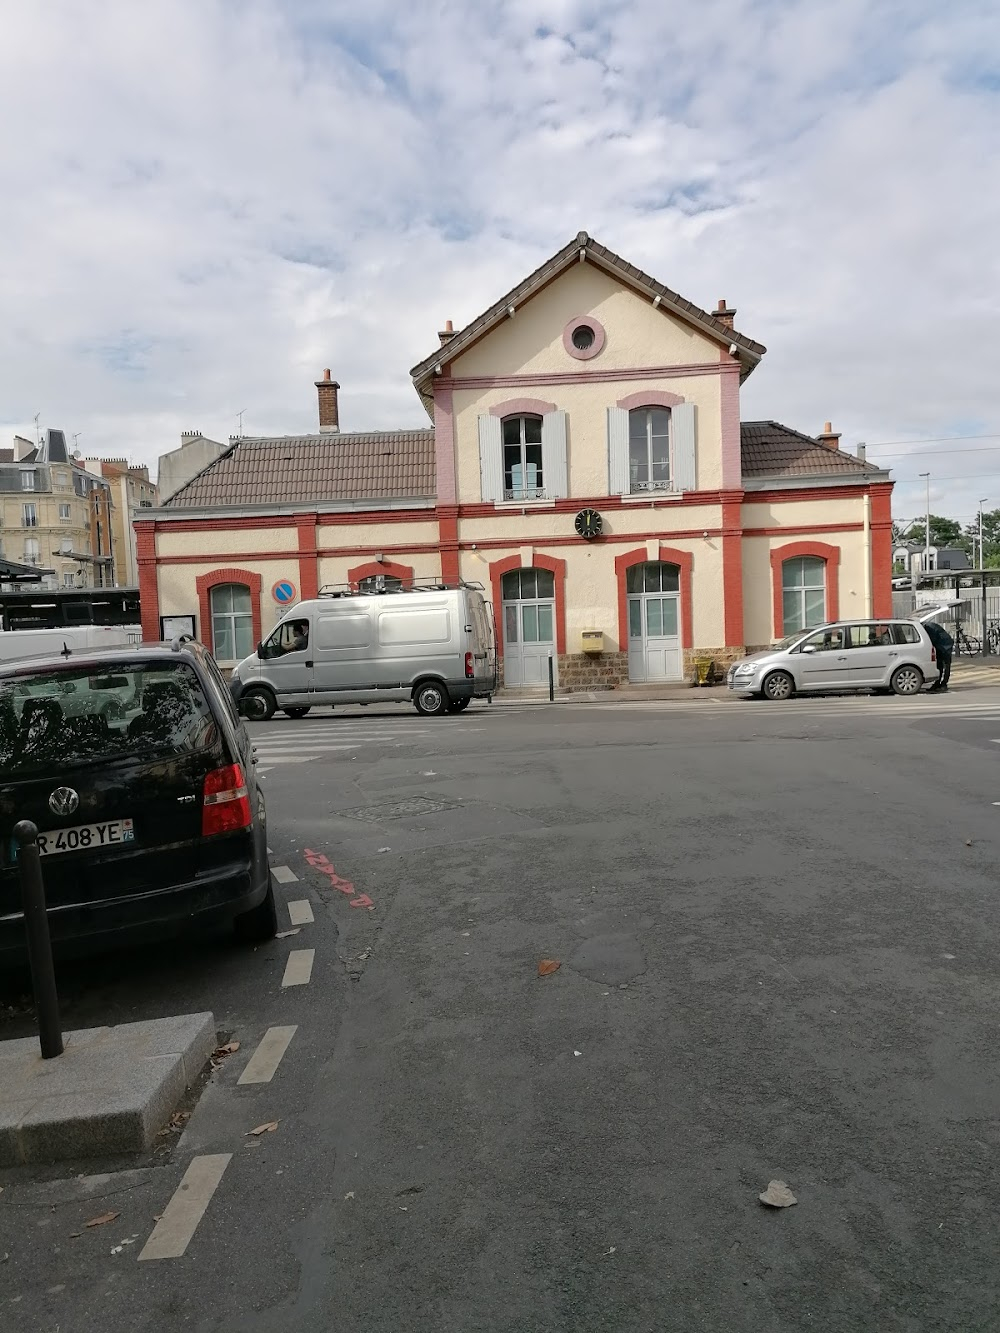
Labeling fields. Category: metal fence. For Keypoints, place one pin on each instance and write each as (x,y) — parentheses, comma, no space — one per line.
(972,618)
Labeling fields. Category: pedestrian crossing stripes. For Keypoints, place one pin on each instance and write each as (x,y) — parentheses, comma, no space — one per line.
(935,707)
(302,743)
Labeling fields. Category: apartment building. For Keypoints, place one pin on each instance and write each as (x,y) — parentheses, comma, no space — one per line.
(55,516)
(130,490)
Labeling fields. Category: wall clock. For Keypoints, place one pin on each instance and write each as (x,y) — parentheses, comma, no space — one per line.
(589,524)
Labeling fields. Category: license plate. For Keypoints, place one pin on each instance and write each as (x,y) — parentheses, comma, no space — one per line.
(86,837)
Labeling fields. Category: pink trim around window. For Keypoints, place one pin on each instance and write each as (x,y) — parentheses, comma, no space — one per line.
(519,407)
(650,398)
(596,347)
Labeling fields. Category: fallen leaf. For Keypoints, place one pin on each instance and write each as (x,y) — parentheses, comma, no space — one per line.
(179,1119)
(284,934)
(230,1048)
(778,1195)
(547,966)
(266,1128)
(103,1219)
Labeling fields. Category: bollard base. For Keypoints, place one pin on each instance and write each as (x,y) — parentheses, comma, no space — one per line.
(108,1094)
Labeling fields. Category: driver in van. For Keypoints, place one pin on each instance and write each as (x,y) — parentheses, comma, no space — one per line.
(300,637)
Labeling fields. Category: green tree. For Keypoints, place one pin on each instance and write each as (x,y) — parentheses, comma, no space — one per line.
(991,536)
(944,532)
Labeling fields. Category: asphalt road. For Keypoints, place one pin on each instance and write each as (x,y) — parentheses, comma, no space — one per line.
(776,928)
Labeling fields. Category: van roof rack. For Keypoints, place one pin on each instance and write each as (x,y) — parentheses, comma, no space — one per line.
(383,587)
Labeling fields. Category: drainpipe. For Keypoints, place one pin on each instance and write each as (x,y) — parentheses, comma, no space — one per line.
(867,505)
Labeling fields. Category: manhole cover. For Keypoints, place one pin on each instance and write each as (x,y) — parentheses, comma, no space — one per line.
(416,805)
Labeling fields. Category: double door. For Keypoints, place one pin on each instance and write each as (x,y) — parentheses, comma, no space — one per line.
(528,642)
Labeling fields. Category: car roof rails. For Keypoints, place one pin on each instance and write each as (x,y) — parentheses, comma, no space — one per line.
(382,587)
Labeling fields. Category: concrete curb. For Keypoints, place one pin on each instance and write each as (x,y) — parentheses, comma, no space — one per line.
(109,1092)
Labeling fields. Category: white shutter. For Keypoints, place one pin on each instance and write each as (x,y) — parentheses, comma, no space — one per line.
(618,474)
(685,475)
(491,457)
(554,472)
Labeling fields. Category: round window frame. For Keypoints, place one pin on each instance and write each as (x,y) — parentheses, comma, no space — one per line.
(596,347)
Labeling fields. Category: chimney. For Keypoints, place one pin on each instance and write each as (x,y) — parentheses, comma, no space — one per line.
(828,436)
(447,333)
(329,411)
(859,453)
(723,314)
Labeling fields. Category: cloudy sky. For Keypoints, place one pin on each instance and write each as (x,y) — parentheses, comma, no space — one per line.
(205,202)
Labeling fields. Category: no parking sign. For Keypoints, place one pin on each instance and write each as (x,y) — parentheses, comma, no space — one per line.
(283,592)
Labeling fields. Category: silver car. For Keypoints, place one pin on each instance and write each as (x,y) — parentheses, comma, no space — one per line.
(879,655)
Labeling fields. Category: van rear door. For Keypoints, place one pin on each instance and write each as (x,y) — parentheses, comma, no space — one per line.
(483,645)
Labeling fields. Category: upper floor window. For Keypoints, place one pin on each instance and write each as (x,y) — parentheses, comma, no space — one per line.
(649,449)
(27,481)
(65,513)
(29,516)
(522,459)
(32,555)
(803,593)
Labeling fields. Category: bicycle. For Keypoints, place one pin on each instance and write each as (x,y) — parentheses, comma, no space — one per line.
(970,646)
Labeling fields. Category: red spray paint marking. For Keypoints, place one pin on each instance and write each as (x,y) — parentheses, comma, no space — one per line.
(322,863)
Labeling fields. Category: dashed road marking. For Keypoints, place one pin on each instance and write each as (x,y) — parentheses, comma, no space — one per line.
(299,967)
(173,1232)
(300,912)
(264,1062)
(285,876)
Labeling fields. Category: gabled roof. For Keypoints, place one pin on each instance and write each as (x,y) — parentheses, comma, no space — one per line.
(769,449)
(311,469)
(749,351)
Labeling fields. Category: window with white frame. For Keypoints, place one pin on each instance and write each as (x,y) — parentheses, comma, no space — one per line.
(803,593)
(27,481)
(65,513)
(649,449)
(69,579)
(32,555)
(29,516)
(232,622)
(523,477)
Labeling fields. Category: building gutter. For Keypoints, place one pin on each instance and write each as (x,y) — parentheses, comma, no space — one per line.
(806,482)
(866,504)
(361,507)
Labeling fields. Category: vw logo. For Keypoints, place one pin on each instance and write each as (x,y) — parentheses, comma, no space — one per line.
(63,801)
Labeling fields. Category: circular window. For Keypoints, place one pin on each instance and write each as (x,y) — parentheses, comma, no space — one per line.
(583,337)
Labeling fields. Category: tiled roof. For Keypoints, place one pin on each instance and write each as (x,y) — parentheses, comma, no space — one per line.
(669,300)
(769,449)
(308,469)
(6,455)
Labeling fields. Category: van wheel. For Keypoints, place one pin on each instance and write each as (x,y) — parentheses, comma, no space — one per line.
(458,705)
(297,712)
(778,685)
(906,680)
(266,698)
(261,922)
(431,699)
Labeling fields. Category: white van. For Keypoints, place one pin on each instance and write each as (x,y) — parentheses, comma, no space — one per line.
(18,643)
(432,646)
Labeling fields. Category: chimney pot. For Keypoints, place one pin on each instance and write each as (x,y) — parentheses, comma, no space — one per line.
(447,333)
(329,407)
(828,436)
(827,427)
(723,313)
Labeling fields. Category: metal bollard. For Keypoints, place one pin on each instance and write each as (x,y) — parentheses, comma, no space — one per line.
(552,681)
(36,924)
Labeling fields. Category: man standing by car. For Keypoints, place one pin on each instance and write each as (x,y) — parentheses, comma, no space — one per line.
(943,644)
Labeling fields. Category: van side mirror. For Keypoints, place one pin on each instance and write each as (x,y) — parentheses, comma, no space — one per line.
(808,648)
(252,707)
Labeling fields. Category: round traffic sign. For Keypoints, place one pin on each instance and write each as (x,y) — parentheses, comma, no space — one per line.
(283,592)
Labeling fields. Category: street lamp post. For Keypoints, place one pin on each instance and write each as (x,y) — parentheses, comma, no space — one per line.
(927,527)
(982,553)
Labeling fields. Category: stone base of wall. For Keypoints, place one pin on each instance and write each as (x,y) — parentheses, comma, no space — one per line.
(592,671)
(722,657)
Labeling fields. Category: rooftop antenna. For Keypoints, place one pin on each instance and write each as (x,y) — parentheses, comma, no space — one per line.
(239,417)
(38,433)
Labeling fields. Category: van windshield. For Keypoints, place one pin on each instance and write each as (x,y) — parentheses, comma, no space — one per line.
(72,716)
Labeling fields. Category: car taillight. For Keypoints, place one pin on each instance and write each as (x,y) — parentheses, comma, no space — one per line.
(470,669)
(226,803)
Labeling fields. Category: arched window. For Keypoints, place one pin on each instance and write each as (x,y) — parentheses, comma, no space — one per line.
(380,583)
(649,449)
(653,576)
(522,458)
(232,622)
(803,593)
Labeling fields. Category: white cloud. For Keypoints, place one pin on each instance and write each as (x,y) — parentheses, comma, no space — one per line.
(205,203)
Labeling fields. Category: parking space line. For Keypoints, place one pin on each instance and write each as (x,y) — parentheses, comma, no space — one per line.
(171,1235)
(300,912)
(264,1062)
(299,967)
(284,875)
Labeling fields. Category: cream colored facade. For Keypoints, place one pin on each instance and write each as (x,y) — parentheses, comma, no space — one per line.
(45,521)
(130,491)
(720,540)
